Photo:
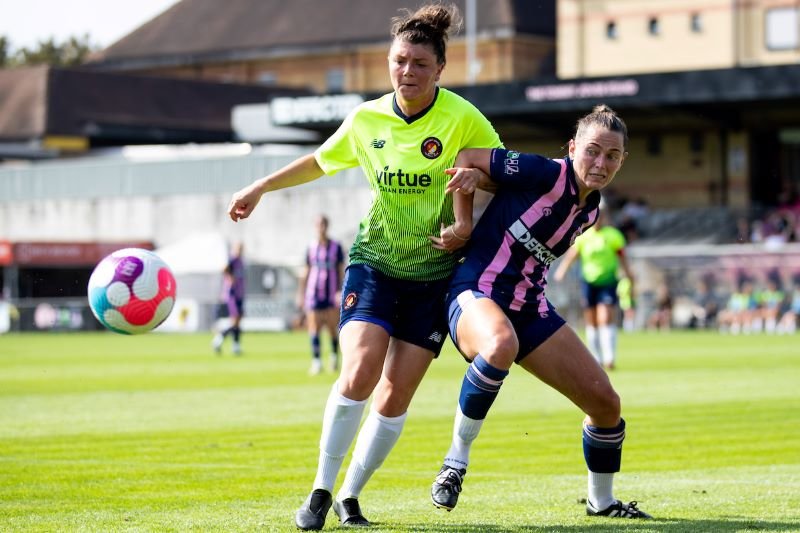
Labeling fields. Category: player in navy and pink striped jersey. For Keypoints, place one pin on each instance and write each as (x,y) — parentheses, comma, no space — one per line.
(318,293)
(498,310)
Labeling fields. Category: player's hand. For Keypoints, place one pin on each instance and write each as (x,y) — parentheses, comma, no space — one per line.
(243,202)
(464,180)
(450,239)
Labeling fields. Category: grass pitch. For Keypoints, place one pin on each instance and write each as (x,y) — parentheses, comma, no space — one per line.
(101,432)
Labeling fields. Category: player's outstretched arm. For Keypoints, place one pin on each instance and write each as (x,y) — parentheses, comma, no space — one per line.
(299,171)
(466,182)
(566,262)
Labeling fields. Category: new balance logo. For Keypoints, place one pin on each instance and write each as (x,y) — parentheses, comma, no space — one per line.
(435,337)
(378,143)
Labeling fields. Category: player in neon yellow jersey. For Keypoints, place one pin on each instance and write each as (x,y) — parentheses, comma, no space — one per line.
(602,251)
(393,322)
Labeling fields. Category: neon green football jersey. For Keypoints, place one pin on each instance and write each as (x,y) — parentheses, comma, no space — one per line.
(599,249)
(404,159)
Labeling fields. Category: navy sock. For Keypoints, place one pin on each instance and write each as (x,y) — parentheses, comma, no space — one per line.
(315,353)
(479,388)
(602,447)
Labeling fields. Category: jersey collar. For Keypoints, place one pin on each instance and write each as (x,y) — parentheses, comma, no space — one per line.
(412,118)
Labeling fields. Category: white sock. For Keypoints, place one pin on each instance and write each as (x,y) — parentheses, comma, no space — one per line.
(601,490)
(339,426)
(376,439)
(593,344)
(608,343)
(465,431)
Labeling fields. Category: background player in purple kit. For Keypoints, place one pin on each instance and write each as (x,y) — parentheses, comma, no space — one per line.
(497,306)
(233,287)
(319,293)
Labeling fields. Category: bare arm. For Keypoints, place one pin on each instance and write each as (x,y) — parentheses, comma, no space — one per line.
(626,267)
(566,262)
(301,170)
(301,287)
(466,182)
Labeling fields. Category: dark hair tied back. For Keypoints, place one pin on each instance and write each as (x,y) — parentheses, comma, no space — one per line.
(605,117)
(430,24)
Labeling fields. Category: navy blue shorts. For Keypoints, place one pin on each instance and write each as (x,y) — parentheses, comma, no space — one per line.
(532,329)
(411,311)
(235,306)
(320,305)
(593,295)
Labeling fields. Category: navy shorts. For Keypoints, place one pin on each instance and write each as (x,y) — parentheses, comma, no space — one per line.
(593,295)
(235,306)
(532,329)
(411,311)
(320,305)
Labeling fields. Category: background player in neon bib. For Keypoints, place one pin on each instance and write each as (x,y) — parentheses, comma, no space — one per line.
(498,310)
(393,318)
(319,293)
(602,251)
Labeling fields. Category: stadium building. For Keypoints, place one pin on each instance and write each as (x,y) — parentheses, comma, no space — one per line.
(710,91)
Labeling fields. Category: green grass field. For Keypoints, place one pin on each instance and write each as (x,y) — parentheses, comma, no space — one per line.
(100,432)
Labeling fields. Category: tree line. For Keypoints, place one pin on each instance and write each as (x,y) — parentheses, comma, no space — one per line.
(71,52)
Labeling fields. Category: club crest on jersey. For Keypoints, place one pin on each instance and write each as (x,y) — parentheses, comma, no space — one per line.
(431,148)
(350,300)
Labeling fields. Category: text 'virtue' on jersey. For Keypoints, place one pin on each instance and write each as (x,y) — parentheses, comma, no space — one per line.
(532,220)
(404,159)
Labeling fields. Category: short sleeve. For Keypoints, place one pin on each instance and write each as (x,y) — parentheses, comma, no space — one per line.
(618,239)
(517,170)
(338,151)
(481,132)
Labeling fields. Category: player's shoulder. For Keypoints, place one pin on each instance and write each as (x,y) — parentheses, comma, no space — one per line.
(377,105)
(452,100)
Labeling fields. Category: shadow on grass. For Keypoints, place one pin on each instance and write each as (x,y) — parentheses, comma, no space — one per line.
(612,526)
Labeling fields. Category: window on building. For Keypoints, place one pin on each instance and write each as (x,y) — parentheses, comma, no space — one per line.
(334,80)
(267,78)
(697,142)
(611,29)
(653,26)
(654,144)
(782,28)
(696,23)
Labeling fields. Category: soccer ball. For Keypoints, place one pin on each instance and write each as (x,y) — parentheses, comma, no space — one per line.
(131,291)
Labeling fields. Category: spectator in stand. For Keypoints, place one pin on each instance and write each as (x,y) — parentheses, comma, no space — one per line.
(661,317)
(738,315)
(742,230)
(770,303)
(788,321)
(705,305)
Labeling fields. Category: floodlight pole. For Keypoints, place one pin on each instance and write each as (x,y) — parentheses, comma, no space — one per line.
(471,36)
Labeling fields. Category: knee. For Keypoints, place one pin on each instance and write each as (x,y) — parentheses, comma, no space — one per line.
(606,408)
(391,401)
(501,349)
(358,380)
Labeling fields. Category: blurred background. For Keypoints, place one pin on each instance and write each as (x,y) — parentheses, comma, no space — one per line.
(141,140)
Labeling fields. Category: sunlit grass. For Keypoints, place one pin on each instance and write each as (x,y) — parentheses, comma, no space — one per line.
(100,432)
